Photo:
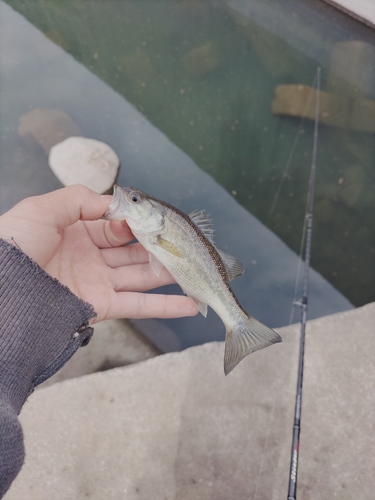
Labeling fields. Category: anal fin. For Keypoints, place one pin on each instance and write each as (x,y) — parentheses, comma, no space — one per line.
(202,308)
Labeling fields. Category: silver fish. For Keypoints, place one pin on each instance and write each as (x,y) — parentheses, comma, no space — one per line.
(184,245)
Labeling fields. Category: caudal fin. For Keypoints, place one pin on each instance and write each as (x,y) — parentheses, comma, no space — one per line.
(249,336)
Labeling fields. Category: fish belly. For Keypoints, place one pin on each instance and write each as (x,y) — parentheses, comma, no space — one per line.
(200,280)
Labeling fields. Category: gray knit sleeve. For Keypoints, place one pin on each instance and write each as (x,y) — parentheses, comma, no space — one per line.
(42,324)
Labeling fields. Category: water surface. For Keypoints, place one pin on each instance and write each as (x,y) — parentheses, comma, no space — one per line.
(204,74)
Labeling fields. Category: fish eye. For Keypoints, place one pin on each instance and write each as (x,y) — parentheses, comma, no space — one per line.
(135,197)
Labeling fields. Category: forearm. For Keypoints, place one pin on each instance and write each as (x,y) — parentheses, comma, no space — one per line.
(42,324)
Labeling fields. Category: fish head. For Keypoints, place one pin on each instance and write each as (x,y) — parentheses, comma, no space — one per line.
(134,206)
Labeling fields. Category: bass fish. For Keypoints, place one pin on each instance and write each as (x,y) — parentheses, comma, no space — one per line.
(184,245)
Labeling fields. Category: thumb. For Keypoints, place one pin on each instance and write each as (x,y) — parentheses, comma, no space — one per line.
(64,207)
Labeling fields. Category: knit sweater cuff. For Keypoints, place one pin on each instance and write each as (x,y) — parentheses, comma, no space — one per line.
(42,324)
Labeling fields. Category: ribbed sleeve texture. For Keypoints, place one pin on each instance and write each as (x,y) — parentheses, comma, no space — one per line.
(42,324)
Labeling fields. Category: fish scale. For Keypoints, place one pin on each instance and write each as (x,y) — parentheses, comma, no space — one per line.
(183,244)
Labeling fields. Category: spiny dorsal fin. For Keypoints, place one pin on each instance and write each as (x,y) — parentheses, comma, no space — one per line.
(204,224)
(233,266)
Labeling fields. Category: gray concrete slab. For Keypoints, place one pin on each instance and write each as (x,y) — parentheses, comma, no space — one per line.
(170,427)
(173,427)
(338,430)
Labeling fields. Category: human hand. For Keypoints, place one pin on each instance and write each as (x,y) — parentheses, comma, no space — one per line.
(61,232)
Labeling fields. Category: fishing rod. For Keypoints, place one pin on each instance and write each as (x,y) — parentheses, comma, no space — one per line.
(303,303)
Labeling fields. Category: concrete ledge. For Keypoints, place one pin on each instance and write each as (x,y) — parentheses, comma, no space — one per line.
(173,427)
(338,428)
(363,10)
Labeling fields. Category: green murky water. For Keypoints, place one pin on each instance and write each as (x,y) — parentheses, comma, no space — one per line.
(205,73)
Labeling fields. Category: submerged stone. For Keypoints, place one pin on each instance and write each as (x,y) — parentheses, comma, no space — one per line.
(335,111)
(46,127)
(202,60)
(79,160)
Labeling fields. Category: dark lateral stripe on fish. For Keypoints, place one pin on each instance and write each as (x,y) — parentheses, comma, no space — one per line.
(211,249)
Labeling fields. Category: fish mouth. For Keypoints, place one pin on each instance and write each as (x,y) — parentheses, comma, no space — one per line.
(118,205)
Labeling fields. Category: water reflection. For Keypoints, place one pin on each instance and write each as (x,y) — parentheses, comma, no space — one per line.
(205,73)
(206,80)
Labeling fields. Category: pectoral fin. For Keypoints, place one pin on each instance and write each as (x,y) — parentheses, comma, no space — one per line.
(155,264)
(169,247)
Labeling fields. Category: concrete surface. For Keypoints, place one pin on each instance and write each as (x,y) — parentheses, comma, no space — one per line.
(173,427)
(338,429)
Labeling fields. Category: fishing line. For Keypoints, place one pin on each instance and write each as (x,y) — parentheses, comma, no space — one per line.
(304,230)
(277,195)
(291,155)
(303,303)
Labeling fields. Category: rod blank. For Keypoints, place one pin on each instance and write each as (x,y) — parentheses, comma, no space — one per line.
(303,303)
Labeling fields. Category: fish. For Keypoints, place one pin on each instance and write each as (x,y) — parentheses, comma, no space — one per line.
(184,245)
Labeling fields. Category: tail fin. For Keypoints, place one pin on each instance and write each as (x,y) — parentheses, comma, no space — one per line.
(249,336)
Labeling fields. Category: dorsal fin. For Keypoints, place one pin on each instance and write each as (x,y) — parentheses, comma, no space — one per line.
(233,266)
(204,224)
